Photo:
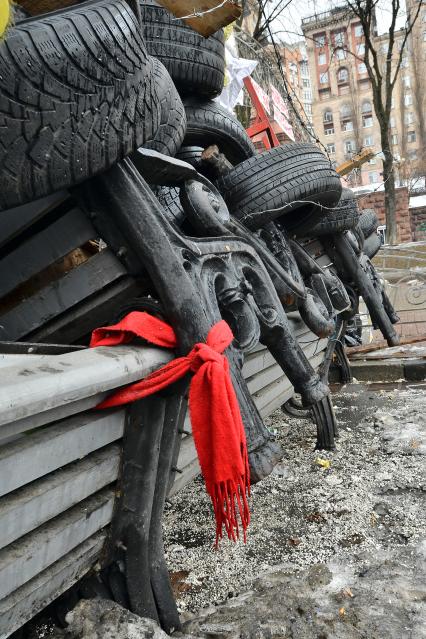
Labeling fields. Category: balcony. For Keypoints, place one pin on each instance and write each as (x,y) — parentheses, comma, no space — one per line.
(324,16)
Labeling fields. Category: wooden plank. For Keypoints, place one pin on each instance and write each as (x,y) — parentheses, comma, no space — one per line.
(70,231)
(27,508)
(187,453)
(67,378)
(47,449)
(189,473)
(25,602)
(204,16)
(268,394)
(102,269)
(14,221)
(97,310)
(257,361)
(356,162)
(26,558)
(263,377)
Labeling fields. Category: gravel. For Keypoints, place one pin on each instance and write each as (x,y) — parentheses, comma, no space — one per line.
(371,499)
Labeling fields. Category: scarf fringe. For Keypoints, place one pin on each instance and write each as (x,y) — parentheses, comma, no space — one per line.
(230,499)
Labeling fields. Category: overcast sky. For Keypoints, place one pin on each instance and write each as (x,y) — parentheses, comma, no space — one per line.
(291,18)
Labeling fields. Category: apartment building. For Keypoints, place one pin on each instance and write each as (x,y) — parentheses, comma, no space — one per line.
(294,58)
(342,107)
(417,47)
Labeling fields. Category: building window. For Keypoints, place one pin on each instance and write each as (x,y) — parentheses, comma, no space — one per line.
(323,78)
(412,155)
(319,40)
(349,146)
(324,94)
(347,125)
(411,136)
(360,49)
(304,69)
(362,68)
(331,148)
(408,99)
(424,17)
(307,95)
(373,177)
(409,118)
(392,122)
(367,121)
(306,83)
(394,138)
(368,140)
(322,59)
(372,161)
(406,81)
(343,75)
(345,111)
(308,108)
(404,63)
(340,54)
(339,38)
(358,31)
(328,123)
(381,232)
(366,107)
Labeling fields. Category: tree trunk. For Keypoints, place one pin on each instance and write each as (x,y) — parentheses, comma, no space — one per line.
(390,198)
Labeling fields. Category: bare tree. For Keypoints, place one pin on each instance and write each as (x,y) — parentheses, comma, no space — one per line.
(267,14)
(383,73)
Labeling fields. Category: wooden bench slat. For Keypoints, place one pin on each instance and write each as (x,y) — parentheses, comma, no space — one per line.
(25,602)
(70,231)
(15,221)
(98,310)
(24,510)
(74,287)
(47,449)
(26,558)
(71,377)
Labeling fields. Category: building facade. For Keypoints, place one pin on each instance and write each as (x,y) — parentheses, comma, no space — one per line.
(294,58)
(342,106)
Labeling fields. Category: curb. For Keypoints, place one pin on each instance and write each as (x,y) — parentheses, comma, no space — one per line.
(390,370)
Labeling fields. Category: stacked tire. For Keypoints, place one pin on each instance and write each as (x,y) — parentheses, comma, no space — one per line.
(89,95)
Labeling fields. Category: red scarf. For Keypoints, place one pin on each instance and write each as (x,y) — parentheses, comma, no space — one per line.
(217,426)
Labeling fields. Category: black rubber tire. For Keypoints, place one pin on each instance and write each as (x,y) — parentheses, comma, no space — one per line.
(372,245)
(169,196)
(196,64)
(278,181)
(368,221)
(172,129)
(343,217)
(209,123)
(77,94)
(18,13)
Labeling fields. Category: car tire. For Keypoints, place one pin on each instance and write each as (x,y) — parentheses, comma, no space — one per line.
(209,123)
(87,98)
(278,181)
(171,132)
(168,196)
(368,221)
(343,217)
(196,64)
(372,245)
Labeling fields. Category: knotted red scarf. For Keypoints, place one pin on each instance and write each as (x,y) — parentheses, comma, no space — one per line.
(217,426)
